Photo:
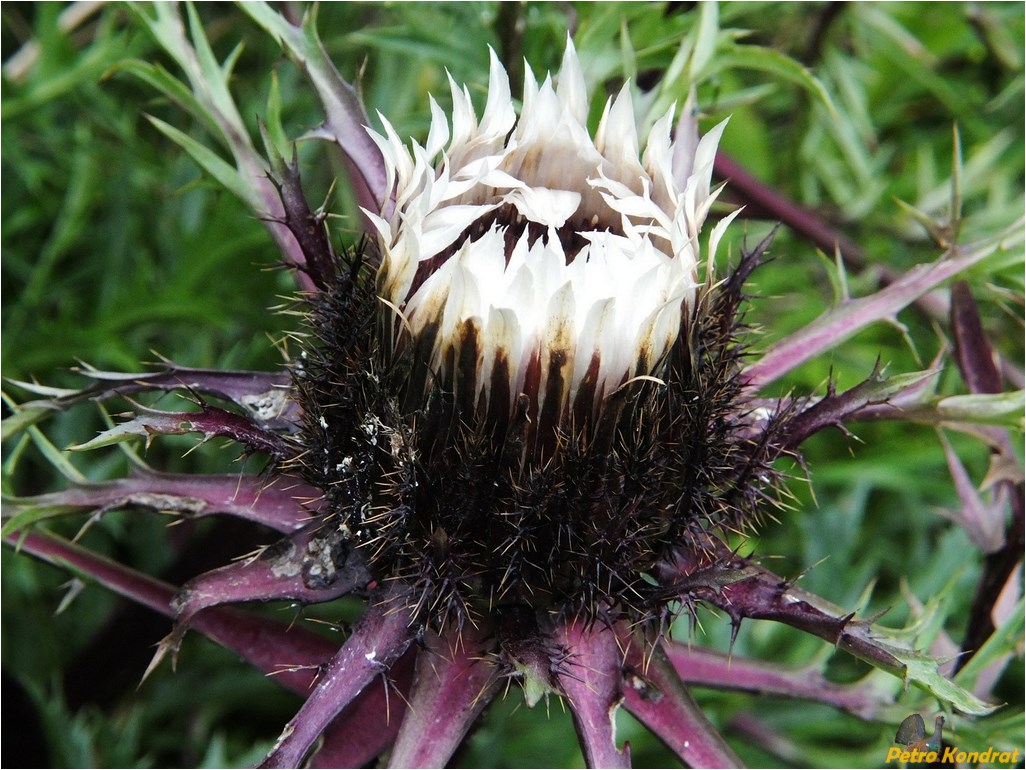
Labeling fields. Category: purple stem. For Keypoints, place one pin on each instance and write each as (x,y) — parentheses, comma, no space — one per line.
(591,682)
(379,639)
(973,350)
(452,686)
(659,698)
(281,503)
(699,666)
(763,201)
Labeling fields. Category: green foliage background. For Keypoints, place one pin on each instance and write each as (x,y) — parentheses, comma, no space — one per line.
(116,245)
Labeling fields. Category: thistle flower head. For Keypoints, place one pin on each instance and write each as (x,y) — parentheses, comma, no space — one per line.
(540,428)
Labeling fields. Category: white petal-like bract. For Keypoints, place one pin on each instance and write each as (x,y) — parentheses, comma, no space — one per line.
(524,249)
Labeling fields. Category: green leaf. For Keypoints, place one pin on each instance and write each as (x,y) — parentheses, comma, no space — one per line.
(34,514)
(1002,643)
(272,121)
(56,457)
(213,164)
(776,63)
(1003,409)
(163,81)
(22,419)
(213,77)
(706,38)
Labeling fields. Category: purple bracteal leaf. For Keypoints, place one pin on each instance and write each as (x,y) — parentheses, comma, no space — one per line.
(264,395)
(743,589)
(282,503)
(289,651)
(911,397)
(317,564)
(658,697)
(291,654)
(308,228)
(379,639)
(368,725)
(590,678)
(709,668)
(452,685)
(834,408)
(211,421)
(345,117)
(841,322)
(211,101)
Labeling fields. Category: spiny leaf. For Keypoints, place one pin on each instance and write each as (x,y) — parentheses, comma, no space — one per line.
(210,421)
(833,408)
(922,670)
(345,116)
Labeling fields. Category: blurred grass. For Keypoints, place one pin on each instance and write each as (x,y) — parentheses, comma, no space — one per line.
(115,245)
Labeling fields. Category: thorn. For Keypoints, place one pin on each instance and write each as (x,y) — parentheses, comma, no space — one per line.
(74,587)
(735,628)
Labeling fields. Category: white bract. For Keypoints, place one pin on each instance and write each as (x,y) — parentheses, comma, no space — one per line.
(556,262)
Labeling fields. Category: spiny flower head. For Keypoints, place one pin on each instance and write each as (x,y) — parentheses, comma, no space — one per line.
(547,405)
